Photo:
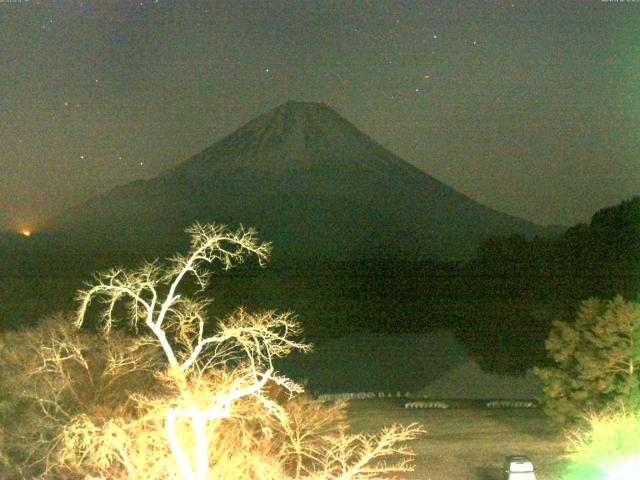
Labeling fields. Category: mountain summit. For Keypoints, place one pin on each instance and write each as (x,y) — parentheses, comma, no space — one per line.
(309,181)
(292,137)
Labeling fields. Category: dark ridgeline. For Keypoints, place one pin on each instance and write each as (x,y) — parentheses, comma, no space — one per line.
(307,180)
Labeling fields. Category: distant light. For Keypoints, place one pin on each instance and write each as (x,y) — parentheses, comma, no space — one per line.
(26,233)
(625,471)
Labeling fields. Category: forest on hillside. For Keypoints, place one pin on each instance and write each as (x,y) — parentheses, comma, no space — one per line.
(530,283)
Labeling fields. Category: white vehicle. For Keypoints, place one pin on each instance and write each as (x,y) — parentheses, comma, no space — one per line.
(518,467)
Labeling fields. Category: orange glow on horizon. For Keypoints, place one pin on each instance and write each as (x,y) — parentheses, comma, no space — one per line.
(25,232)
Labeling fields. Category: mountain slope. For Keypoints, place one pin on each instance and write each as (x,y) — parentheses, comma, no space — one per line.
(310,182)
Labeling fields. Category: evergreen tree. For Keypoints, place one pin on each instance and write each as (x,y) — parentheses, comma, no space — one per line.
(595,359)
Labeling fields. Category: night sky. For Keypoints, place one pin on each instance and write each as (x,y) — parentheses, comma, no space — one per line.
(531,107)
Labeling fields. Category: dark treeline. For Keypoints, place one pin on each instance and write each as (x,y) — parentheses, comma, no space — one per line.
(518,286)
(501,303)
(599,258)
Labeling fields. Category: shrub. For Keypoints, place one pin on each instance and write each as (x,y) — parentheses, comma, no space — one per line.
(608,449)
(55,373)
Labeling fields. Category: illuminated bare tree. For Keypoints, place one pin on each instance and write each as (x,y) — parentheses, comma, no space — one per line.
(250,342)
(213,376)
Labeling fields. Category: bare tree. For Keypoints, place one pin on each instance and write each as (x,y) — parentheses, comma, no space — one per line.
(183,426)
(251,342)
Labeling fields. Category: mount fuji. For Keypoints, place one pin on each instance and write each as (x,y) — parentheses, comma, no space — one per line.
(307,180)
